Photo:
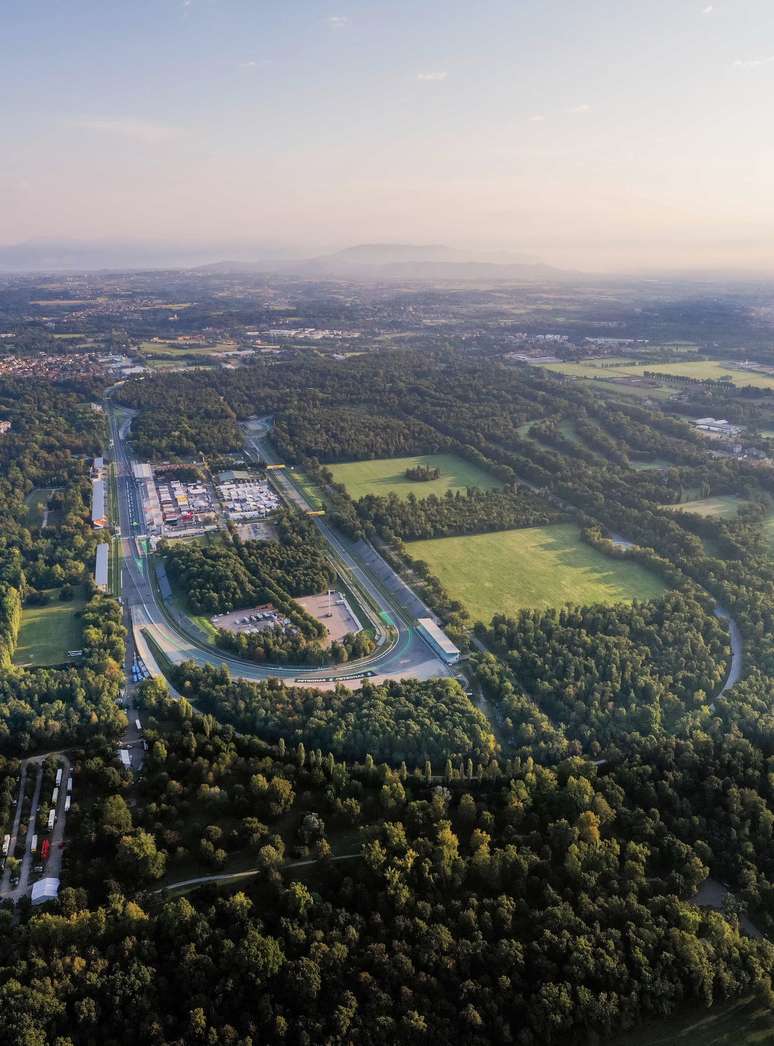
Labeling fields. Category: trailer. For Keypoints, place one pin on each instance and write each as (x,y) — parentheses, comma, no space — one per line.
(69,784)
(45,849)
(34,844)
(138,724)
(59,776)
(6,845)
(51,819)
(55,797)
(67,804)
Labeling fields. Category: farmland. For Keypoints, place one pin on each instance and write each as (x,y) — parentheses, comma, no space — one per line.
(48,632)
(540,567)
(712,370)
(388,476)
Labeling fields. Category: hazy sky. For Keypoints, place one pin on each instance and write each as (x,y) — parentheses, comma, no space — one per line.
(596,133)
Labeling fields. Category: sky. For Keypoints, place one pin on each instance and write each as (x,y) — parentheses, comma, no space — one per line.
(594,134)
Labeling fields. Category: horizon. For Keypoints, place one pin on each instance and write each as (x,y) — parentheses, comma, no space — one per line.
(328,125)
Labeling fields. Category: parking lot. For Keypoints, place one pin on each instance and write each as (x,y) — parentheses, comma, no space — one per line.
(251,619)
(334,612)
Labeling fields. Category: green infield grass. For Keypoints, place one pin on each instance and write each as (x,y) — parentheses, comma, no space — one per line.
(48,632)
(388,476)
(533,567)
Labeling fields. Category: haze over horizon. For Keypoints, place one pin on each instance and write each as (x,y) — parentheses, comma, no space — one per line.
(539,128)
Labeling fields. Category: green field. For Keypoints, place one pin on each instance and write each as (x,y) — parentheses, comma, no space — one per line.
(723,506)
(744,1022)
(534,567)
(48,632)
(36,502)
(387,476)
(701,369)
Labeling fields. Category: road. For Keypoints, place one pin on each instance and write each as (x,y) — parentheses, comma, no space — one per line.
(406,656)
(737,651)
(5,882)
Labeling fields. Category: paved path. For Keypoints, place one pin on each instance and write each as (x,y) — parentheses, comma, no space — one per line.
(712,894)
(225,877)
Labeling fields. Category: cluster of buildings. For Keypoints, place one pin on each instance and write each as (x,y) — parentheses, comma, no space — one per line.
(183,503)
(304,333)
(243,497)
(53,367)
(717,427)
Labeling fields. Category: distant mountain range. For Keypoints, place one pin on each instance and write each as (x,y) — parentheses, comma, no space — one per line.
(376,262)
(74,256)
(371,262)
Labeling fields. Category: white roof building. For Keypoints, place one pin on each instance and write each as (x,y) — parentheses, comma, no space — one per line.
(101,567)
(45,890)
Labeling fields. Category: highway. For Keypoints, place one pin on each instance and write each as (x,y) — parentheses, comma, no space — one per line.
(406,654)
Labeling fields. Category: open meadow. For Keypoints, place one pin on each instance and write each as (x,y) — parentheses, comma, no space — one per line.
(723,506)
(388,476)
(48,632)
(540,567)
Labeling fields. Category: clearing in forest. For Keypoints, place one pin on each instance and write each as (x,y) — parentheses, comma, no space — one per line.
(48,632)
(540,567)
(388,476)
(723,506)
(741,1022)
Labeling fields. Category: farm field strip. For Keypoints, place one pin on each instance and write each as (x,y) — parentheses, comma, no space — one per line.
(699,369)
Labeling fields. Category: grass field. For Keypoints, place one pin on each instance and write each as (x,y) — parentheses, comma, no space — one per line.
(48,632)
(744,1022)
(535,567)
(654,463)
(723,506)
(712,369)
(387,476)
(36,502)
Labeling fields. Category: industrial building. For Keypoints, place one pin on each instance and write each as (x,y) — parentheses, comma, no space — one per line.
(438,641)
(101,566)
(98,515)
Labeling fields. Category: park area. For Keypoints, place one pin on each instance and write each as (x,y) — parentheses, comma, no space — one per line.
(539,567)
(701,370)
(388,476)
(48,632)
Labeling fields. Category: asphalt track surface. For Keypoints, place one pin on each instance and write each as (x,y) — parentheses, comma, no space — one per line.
(406,654)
